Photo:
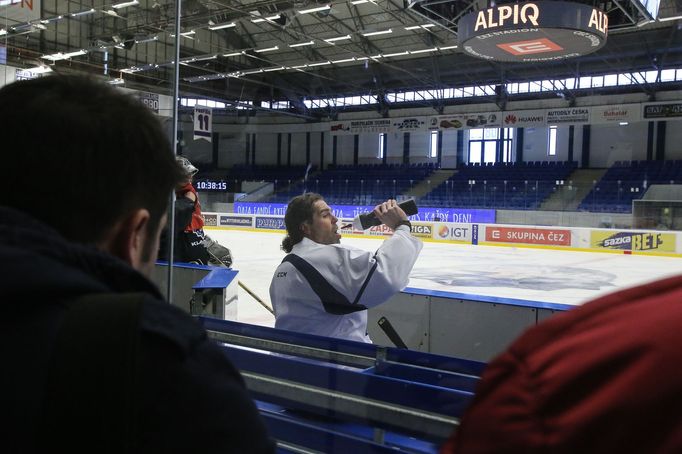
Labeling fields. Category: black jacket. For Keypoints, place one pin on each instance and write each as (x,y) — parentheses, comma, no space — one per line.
(188,396)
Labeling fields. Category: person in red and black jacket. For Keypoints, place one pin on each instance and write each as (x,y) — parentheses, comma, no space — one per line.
(190,236)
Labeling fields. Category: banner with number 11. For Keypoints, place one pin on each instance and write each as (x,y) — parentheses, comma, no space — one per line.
(203,123)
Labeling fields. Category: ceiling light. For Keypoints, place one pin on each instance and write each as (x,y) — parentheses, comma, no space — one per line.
(345,60)
(397,54)
(271,18)
(421,51)
(309,43)
(116,81)
(358,2)
(273,69)
(111,12)
(623,123)
(382,32)
(299,66)
(338,38)
(221,26)
(76,53)
(3,31)
(185,34)
(233,54)
(255,71)
(664,19)
(315,10)
(42,69)
(146,40)
(310,65)
(415,27)
(447,48)
(267,49)
(125,4)
(61,56)
(82,13)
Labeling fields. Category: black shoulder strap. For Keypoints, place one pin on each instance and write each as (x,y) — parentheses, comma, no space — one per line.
(90,396)
(334,302)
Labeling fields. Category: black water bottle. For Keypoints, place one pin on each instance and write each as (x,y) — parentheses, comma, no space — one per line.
(367,220)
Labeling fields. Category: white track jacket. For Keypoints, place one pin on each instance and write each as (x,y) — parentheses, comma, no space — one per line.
(326,289)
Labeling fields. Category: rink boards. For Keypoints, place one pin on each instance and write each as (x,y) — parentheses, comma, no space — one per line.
(623,241)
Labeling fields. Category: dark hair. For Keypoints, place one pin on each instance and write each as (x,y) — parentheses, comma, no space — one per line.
(80,155)
(299,210)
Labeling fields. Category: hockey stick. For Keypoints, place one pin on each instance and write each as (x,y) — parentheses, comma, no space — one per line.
(386,326)
(248,290)
(262,303)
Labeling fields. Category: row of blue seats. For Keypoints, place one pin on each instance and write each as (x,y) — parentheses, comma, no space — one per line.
(524,164)
(332,395)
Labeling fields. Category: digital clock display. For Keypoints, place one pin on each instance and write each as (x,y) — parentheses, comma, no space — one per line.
(210,185)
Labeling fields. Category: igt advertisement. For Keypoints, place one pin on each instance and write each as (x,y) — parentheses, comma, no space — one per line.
(453,232)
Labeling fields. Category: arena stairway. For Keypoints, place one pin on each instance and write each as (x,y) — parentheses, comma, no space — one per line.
(573,191)
(430,183)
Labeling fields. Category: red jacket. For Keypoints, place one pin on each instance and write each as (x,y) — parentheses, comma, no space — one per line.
(197,222)
(602,378)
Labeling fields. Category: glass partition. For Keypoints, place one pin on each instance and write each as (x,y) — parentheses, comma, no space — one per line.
(213,75)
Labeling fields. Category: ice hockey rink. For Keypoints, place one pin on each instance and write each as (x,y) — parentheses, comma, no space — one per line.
(544,275)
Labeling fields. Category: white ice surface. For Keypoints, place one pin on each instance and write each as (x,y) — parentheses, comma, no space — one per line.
(553,276)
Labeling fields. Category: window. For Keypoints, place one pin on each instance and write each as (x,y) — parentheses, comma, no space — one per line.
(382,142)
(433,148)
(551,141)
(474,152)
(484,142)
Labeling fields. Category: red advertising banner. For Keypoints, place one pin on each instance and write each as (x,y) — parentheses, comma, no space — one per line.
(554,237)
(380,230)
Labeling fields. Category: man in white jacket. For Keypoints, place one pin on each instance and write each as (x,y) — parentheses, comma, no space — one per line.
(323,287)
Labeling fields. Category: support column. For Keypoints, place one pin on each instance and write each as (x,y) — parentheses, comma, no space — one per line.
(247,148)
(321,150)
(660,140)
(439,149)
(585,157)
(334,147)
(279,149)
(459,153)
(519,145)
(571,133)
(650,142)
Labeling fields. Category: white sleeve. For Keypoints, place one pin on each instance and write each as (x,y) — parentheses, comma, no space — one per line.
(374,278)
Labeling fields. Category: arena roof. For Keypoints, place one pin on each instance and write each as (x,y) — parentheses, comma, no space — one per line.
(292,50)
